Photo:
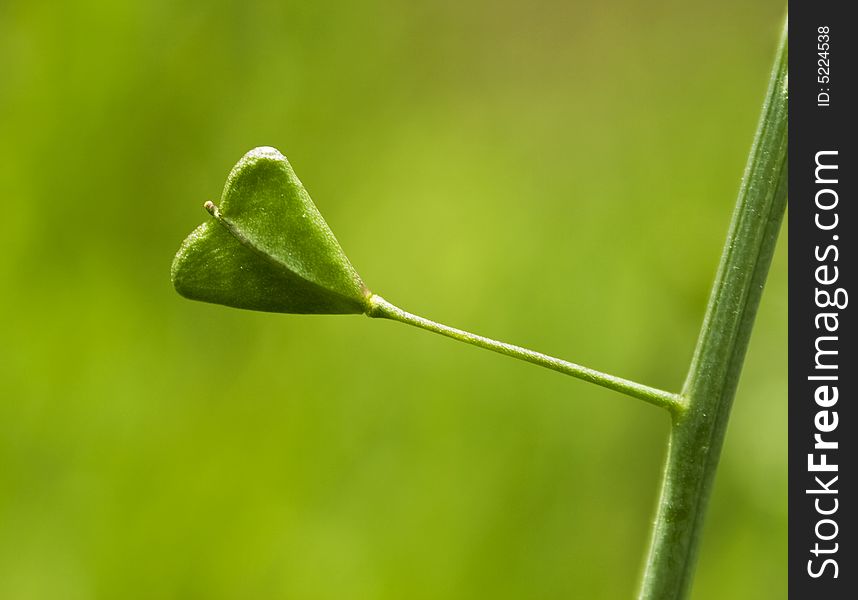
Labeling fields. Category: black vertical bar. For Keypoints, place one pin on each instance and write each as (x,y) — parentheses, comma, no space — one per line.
(823,562)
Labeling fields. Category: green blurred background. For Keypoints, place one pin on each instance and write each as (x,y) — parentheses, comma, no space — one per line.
(554,174)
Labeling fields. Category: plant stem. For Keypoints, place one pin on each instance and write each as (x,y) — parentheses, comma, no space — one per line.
(379,307)
(698,433)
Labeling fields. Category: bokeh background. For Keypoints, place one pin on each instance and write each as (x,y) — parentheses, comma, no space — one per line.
(555,174)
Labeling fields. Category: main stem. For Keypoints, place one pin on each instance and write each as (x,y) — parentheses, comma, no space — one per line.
(698,432)
(379,307)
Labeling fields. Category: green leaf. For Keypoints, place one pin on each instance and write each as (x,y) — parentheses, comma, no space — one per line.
(267,247)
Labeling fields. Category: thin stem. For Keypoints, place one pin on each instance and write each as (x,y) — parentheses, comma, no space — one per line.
(698,434)
(379,307)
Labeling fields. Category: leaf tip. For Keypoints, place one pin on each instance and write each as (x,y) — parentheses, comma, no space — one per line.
(261,155)
(265,152)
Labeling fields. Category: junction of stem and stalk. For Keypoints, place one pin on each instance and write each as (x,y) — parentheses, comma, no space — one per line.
(698,432)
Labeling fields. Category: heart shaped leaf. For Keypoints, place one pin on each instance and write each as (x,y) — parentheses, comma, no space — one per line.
(267,247)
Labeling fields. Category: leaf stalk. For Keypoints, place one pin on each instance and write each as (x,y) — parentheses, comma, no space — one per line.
(381,308)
